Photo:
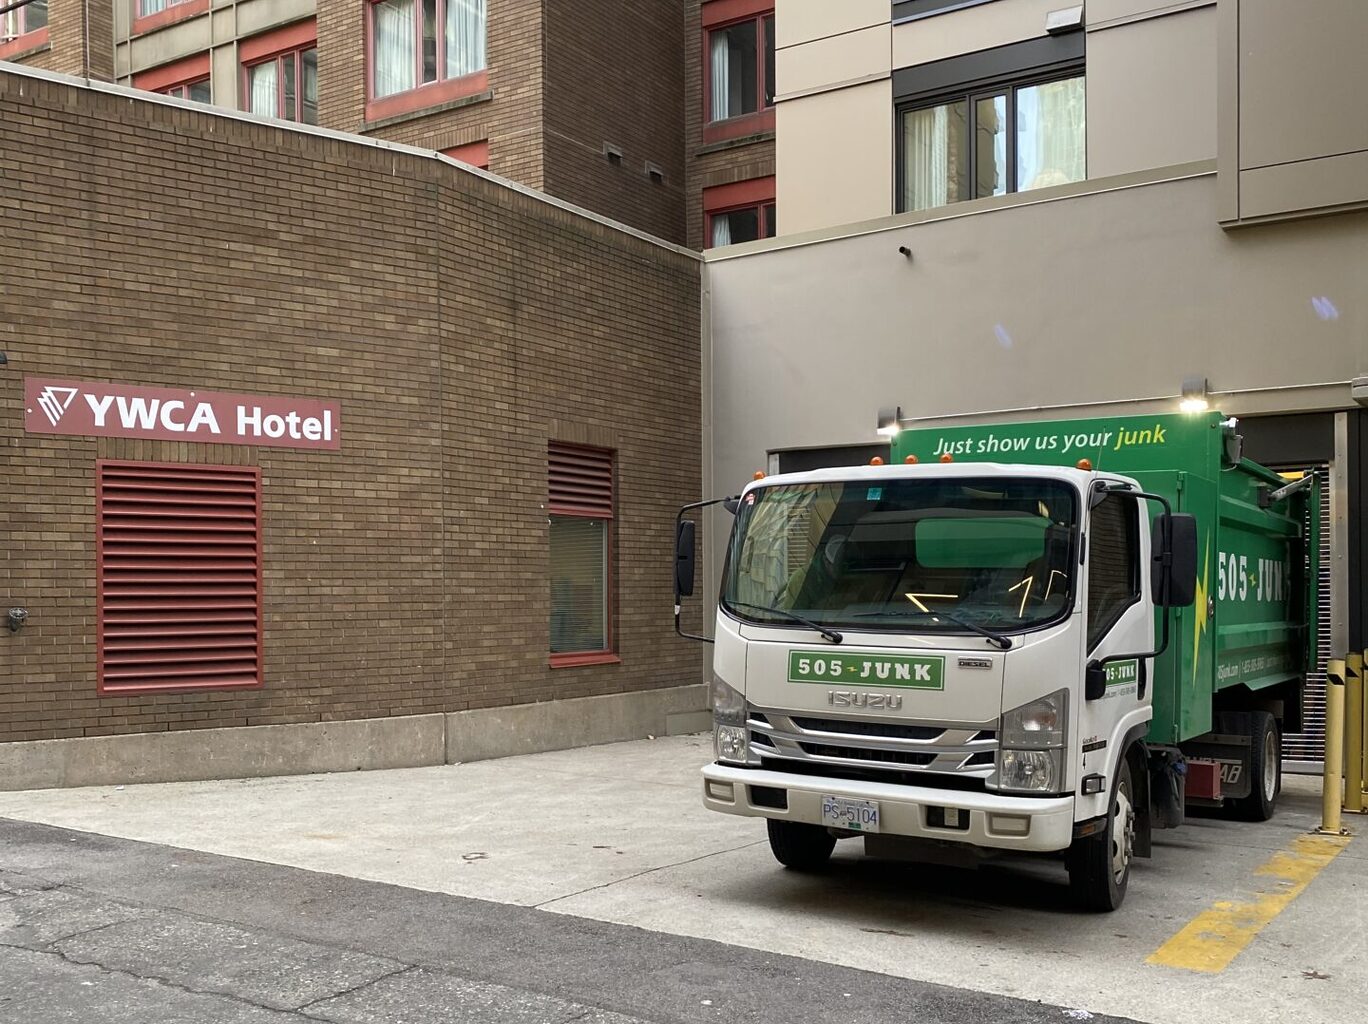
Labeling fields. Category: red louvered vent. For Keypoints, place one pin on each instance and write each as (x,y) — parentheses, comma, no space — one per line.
(178,577)
(580,481)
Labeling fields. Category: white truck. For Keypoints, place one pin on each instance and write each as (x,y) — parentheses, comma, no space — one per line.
(965,655)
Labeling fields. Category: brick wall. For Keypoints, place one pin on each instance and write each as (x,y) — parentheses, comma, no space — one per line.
(614,74)
(460,324)
(66,50)
(717,164)
(510,118)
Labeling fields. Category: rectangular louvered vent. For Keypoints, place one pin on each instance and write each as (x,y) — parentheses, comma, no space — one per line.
(179,577)
(580,481)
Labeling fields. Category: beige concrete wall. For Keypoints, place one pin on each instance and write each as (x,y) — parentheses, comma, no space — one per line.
(1293,78)
(834,157)
(1151,88)
(1107,296)
(835,60)
(801,21)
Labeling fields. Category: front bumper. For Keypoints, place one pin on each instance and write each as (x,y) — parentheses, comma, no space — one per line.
(1038,824)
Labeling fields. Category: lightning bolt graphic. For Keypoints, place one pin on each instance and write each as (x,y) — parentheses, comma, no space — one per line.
(1199,617)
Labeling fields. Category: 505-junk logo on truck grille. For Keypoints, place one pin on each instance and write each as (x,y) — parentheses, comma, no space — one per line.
(93,409)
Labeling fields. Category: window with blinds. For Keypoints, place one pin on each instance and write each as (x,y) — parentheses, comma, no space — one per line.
(580,508)
(178,564)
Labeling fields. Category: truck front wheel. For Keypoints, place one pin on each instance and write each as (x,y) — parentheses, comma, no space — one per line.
(799,846)
(1099,866)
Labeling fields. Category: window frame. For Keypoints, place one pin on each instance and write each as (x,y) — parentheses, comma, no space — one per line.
(608,654)
(1104,628)
(738,195)
(174,11)
(25,39)
(178,74)
(292,41)
(424,94)
(102,687)
(718,16)
(971,95)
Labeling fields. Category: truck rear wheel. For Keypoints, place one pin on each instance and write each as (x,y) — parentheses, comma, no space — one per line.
(800,846)
(1099,866)
(1265,769)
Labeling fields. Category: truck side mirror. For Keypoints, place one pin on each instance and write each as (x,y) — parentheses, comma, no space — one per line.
(1094,681)
(731,504)
(684,560)
(1175,549)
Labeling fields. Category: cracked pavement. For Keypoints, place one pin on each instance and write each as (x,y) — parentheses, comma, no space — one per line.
(97,929)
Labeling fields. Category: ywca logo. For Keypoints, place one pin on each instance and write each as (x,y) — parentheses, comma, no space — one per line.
(56,401)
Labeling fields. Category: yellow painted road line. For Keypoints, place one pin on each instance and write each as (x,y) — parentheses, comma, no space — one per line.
(1215,937)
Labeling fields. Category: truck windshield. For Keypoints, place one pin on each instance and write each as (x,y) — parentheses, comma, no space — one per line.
(889,555)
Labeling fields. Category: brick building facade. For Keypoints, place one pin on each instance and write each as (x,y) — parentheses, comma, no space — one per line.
(462,325)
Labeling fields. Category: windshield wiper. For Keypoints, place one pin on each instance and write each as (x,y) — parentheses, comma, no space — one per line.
(829,634)
(997,639)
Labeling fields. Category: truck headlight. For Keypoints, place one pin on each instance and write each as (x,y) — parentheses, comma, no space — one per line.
(729,724)
(1031,745)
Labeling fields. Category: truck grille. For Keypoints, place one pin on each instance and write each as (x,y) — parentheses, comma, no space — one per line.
(871,747)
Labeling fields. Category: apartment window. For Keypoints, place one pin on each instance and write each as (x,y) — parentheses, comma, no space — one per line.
(153,14)
(1018,124)
(186,79)
(580,514)
(738,61)
(178,577)
(197,91)
(740,212)
(285,86)
(414,43)
(21,21)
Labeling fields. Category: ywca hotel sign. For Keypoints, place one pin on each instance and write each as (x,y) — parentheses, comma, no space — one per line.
(171,414)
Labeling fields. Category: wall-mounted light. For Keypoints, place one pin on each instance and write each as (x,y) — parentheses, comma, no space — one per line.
(1066,19)
(1195,398)
(1358,388)
(890,421)
(3,359)
(16,619)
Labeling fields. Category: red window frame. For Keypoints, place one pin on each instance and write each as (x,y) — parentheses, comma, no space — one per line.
(175,10)
(180,74)
(576,489)
(182,91)
(176,544)
(752,193)
(724,14)
(426,94)
(25,39)
(290,42)
(474,153)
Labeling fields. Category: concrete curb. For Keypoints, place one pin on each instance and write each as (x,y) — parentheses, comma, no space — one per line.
(414,741)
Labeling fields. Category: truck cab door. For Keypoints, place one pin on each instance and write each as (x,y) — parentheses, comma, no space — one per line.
(1119,623)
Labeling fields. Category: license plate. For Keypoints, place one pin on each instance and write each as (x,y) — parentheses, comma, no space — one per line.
(855,815)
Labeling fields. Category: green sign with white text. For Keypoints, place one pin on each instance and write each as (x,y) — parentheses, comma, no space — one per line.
(917,672)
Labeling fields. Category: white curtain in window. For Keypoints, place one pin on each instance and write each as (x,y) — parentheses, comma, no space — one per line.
(465,37)
(721,78)
(926,157)
(1051,134)
(262,93)
(146,7)
(721,230)
(394,59)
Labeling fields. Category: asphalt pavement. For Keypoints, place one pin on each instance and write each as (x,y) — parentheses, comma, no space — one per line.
(107,931)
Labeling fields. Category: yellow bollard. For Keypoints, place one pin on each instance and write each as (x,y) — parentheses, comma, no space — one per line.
(1332,795)
(1353,742)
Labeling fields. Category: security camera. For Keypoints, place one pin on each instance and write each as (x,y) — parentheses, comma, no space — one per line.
(17,617)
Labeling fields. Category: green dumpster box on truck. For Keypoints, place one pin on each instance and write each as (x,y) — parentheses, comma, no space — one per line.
(1037,636)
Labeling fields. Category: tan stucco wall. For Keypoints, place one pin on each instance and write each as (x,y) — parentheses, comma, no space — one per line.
(1109,296)
(954,32)
(1152,92)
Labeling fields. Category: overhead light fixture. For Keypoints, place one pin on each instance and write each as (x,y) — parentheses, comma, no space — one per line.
(1066,19)
(1195,397)
(890,421)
